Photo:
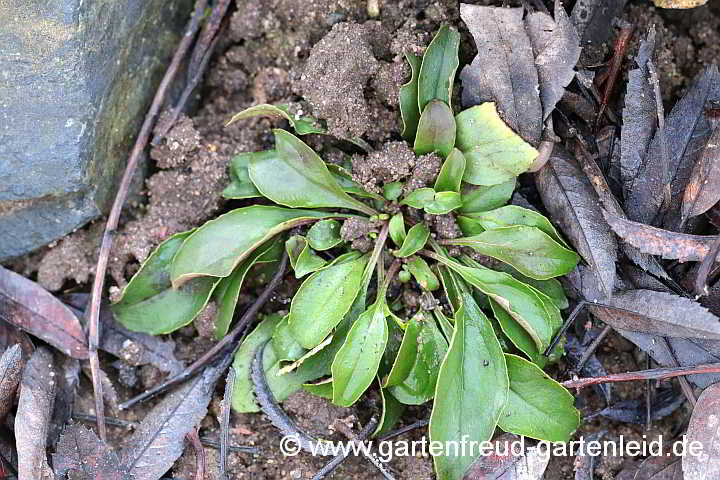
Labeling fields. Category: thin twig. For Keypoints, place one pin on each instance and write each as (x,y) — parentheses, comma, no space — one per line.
(576,311)
(652,374)
(117,422)
(352,436)
(403,430)
(225,422)
(114,216)
(592,347)
(340,457)
(684,383)
(200,460)
(229,341)
(621,45)
(648,396)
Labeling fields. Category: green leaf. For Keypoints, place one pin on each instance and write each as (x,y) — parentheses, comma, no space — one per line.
(216,248)
(302,258)
(528,249)
(445,326)
(537,406)
(450,177)
(282,386)
(149,303)
(469,226)
(517,334)
(481,198)
(511,215)
(395,336)
(301,125)
(356,363)
(295,176)
(471,390)
(418,385)
(324,235)
(392,191)
(423,275)
(240,184)
(397,229)
(323,299)
(494,153)
(538,316)
(419,198)
(408,99)
(436,130)
(406,354)
(285,346)
(228,289)
(416,238)
(451,286)
(392,410)
(437,72)
(444,202)
(322,389)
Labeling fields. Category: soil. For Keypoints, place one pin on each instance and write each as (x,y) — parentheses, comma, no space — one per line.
(275,51)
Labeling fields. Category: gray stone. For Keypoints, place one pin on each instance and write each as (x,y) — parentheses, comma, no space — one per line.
(76,78)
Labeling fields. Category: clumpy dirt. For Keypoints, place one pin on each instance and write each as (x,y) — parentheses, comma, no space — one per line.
(355,230)
(329,59)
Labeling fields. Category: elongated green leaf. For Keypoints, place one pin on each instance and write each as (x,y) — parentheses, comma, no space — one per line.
(444,202)
(528,249)
(149,303)
(419,198)
(301,125)
(324,235)
(436,130)
(444,323)
(536,314)
(510,215)
(228,289)
(240,184)
(356,363)
(481,198)
(437,72)
(397,229)
(302,258)
(418,386)
(471,391)
(282,386)
(405,355)
(451,174)
(295,176)
(284,344)
(517,334)
(537,406)
(216,248)
(451,286)
(323,299)
(416,238)
(392,410)
(422,273)
(494,153)
(408,99)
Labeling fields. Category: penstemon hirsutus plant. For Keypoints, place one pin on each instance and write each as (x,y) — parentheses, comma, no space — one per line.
(480,360)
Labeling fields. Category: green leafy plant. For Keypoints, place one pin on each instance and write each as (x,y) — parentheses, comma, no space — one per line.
(480,360)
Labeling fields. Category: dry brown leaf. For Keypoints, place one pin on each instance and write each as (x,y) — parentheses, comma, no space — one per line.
(704,427)
(703,189)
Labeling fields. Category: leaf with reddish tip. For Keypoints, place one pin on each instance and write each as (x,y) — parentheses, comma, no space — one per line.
(28,306)
(436,130)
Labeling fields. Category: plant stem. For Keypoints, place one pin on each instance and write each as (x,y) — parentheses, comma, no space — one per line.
(652,374)
(377,251)
(114,216)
